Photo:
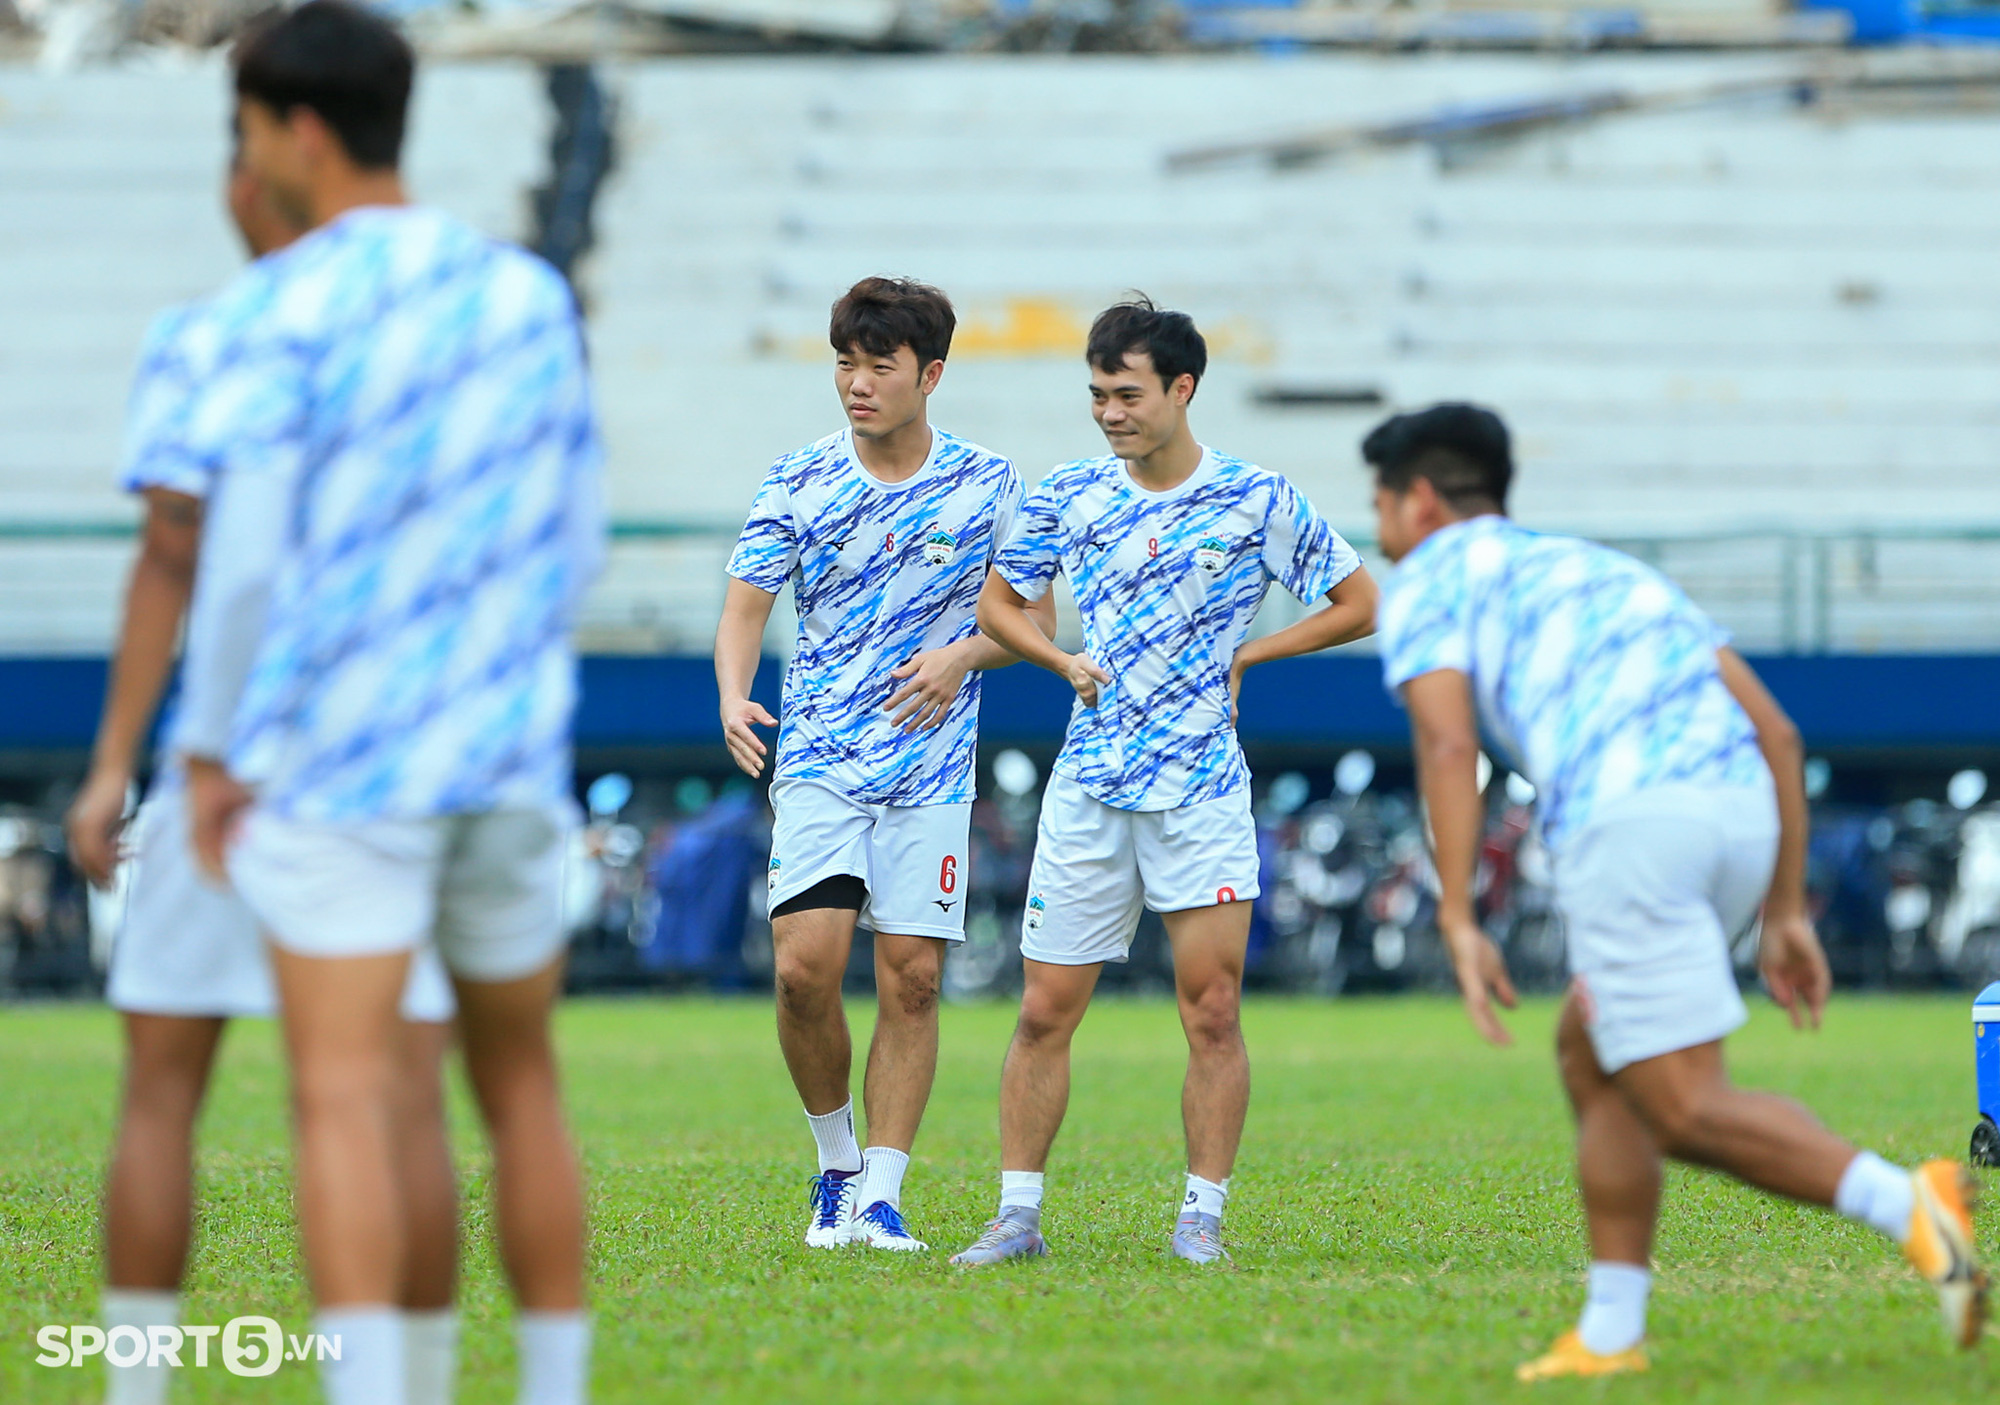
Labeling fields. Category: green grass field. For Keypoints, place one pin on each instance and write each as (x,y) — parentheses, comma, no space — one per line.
(1402,1220)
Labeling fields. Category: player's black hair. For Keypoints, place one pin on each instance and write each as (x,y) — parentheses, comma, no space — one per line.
(1464,450)
(878,315)
(1140,324)
(344,62)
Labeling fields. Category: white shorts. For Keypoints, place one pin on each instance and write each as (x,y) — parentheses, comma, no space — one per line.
(910,857)
(1650,895)
(188,947)
(486,888)
(1096,866)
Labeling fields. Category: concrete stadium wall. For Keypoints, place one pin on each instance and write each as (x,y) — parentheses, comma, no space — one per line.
(1696,318)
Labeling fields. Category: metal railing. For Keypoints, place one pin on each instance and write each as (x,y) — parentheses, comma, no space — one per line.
(1780,588)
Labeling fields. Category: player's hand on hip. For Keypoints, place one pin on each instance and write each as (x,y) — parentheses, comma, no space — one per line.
(930,681)
(216,802)
(1085,676)
(746,748)
(1794,966)
(94,823)
(1482,975)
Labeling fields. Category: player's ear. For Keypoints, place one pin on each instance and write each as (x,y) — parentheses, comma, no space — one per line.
(933,373)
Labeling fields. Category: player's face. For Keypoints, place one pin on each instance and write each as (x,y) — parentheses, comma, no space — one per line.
(276,154)
(1398,524)
(1138,413)
(257,218)
(882,394)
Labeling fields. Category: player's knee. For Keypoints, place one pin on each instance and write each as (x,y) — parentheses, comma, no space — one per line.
(805,986)
(342,1087)
(1212,1016)
(1681,1120)
(912,990)
(1044,1021)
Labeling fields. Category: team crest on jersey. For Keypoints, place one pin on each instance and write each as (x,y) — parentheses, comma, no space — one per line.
(1210,553)
(939,547)
(1037,910)
(771,875)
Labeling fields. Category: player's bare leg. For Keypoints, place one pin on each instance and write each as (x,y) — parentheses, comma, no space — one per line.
(149,1190)
(1617,1160)
(538,1188)
(342,1031)
(1034,1096)
(1209,943)
(1697,1115)
(424,1166)
(809,951)
(810,948)
(1618,1170)
(902,1064)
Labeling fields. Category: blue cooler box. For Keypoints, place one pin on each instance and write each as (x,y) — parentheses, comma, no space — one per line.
(1986,1060)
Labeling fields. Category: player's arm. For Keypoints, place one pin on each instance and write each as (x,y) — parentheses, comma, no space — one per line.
(1793,963)
(156,601)
(739,645)
(242,544)
(1349,615)
(1006,617)
(1446,735)
(932,679)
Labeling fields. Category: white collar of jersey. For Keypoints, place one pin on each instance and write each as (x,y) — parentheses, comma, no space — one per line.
(1203,471)
(861,469)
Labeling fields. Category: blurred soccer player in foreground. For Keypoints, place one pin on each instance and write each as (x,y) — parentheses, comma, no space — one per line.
(189,956)
(1169,548)
(1671,794)
(885,531)
(380,676)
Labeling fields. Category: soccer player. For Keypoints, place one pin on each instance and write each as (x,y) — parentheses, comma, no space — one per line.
(380,678)
(1169,548)
(885,531)
(189,956)
(1672,797)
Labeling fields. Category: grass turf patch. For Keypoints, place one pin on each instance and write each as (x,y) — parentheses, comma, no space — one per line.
(1402,1218)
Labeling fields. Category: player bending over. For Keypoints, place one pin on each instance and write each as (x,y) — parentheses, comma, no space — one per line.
(885,531)
(1169,548)
(1672,798)
(189,956)
(379,676)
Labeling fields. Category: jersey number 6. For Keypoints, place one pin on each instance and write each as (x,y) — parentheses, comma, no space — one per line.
(948,874)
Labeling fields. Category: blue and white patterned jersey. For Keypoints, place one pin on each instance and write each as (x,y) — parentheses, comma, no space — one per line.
(1167,585)
(880,572)
(162,390)
(407,509)
(1594,671)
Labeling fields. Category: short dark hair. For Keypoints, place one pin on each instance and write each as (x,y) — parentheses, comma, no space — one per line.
(878,315)
(344,62)
(1464,450)
(1140,324)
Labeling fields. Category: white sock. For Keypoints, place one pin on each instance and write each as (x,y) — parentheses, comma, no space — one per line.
(141,1308)
(1020,1190)
(834,1132)
(1614,1315)
(430,1355)
(555,1357)
(882,1176)
(1204,1197)
(1878,1194)
(370,1368)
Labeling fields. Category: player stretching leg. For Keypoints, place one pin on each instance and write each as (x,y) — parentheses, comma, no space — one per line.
(1169,548)
(1672,798)
(189,957)
(379,677)
(885,532)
